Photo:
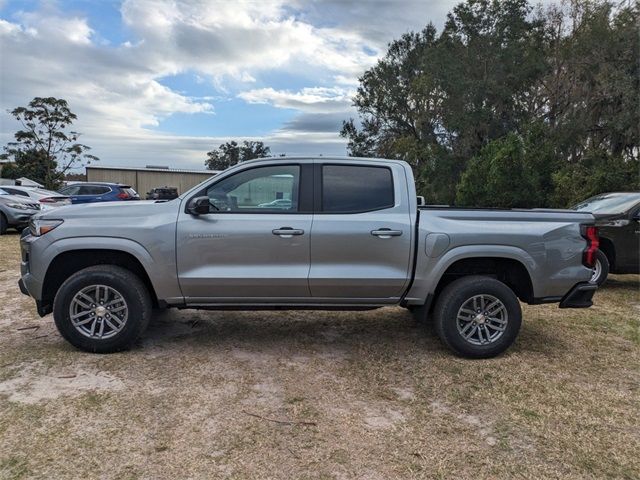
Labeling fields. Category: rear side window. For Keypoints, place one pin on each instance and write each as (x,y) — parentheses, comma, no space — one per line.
(93,190)
(354,188)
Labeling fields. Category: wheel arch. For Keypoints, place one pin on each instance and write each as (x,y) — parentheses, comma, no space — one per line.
(513,265)
(68,262)
(509,271)
(608,248)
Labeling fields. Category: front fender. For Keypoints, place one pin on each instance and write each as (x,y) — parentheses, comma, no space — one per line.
(159,265)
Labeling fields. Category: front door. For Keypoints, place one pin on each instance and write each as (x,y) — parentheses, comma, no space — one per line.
(361,239)
(253,245)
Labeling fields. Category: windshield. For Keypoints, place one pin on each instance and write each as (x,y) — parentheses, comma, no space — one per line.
(609,203)
(42,191)
(2,192)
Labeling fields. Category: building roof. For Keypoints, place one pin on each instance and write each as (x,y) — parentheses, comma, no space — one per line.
(154,169)
(20,182)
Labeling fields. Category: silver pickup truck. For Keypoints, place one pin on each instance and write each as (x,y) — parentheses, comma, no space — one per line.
(305,233)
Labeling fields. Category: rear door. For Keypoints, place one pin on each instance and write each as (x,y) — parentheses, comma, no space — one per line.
(361,237)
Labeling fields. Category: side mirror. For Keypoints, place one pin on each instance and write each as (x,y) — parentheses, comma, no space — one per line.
(198,206)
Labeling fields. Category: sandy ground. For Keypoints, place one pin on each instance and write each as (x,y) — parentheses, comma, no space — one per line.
(319,395)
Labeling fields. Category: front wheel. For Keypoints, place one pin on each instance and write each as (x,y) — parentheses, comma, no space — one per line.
(102,309)
(477,317)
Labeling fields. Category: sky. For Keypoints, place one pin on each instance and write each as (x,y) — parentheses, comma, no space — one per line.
(161,82)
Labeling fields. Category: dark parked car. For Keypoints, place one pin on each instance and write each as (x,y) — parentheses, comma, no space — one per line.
(162,193)
(99,192)
(618,218)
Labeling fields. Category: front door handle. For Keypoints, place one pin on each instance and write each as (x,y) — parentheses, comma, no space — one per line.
(287,232)
(386,233)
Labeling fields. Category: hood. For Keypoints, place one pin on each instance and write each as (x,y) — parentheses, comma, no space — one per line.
(17,199)
(139,208)
(611,219)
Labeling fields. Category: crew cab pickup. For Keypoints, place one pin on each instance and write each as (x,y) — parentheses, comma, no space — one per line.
(305,233)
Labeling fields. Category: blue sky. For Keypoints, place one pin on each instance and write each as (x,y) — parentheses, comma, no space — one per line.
(163,81)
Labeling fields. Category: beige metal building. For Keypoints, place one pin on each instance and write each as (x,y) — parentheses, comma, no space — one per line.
(145,179)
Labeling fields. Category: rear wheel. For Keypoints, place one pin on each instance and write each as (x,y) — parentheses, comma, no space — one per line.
(102,309)
(477,317)
(600,269)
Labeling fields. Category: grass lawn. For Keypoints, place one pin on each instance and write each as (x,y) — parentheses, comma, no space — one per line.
(368,395)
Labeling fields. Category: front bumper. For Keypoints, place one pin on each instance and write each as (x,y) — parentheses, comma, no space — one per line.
(29,283)
(580,296)
(19,218)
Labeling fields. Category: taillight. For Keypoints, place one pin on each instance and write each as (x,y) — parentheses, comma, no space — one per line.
(593,242)
(123,196)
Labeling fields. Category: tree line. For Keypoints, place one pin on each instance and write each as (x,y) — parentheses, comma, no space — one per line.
(509,105)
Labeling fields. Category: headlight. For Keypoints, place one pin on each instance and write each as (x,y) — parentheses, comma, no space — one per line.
(40,227)
(615,223)
(18,206)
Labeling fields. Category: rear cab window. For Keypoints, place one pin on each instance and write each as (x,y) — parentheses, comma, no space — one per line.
(356,188)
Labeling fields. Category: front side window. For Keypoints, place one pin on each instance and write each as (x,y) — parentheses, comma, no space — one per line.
(354,188)
(263,189)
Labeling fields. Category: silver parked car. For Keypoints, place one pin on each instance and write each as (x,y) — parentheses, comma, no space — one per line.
(15,211)
(46,198)
(353,237)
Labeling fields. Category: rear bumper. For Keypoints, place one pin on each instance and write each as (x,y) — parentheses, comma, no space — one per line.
(580,296)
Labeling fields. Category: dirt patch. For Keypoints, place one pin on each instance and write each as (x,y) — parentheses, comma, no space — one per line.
(31,385)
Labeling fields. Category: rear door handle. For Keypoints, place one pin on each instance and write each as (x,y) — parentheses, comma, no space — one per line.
(386,233)
(287,232)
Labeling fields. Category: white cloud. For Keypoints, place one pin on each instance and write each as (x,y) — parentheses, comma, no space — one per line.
(311,99)
(117,93)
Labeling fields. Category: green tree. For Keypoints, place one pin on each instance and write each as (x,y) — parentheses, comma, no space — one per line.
(435,101)
(547,97)
(32,164)
(513,171)
(43,149)
(230,153)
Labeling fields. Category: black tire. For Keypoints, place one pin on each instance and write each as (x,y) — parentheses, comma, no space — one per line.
(452,299)
(3,224)
(127,284)
(600,269)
